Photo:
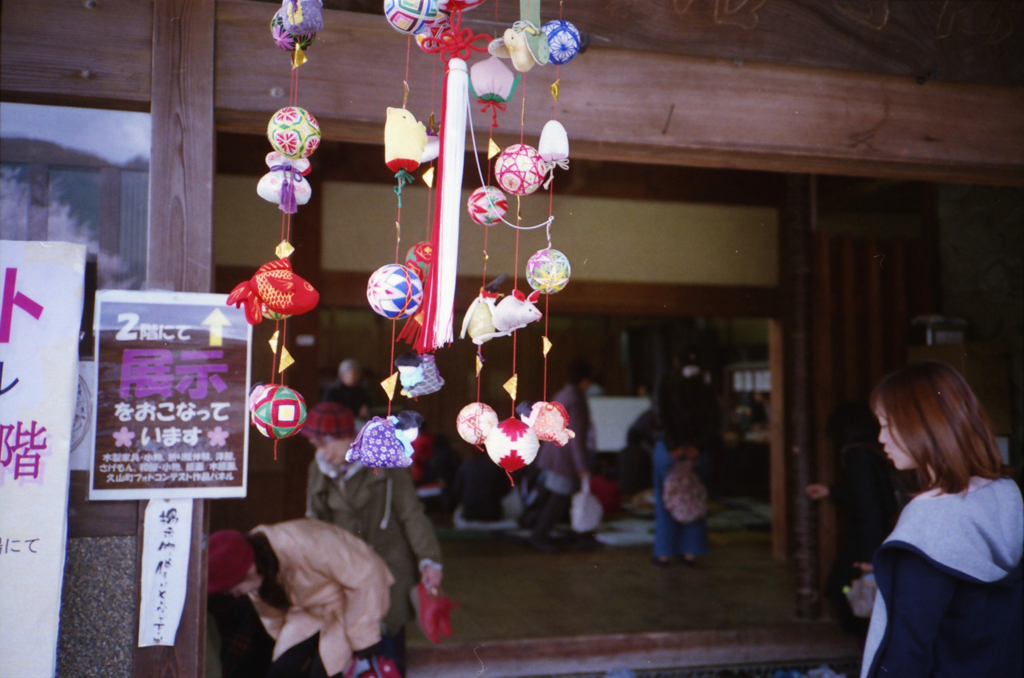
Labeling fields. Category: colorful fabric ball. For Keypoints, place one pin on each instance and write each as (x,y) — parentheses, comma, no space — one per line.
(286,40)
(294,133)
(548,271)
(411,16)
(487,205)
(419,257)
(395,291)
(512,445)
(475,421)
(278,412)
(519,169)
(433,29)
(563,41)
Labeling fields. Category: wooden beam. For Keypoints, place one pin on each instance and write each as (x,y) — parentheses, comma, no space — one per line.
(180,253)
(646,107)
(347,289)
(962,41)
(77,53)
(777,473)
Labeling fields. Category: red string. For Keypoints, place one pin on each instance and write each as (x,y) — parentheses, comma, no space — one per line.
(547,298)
(408,48)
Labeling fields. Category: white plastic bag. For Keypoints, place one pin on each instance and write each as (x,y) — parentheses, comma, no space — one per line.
(586,511)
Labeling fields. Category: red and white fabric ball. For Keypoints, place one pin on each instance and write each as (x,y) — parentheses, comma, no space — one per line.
(487,206)
(512,445)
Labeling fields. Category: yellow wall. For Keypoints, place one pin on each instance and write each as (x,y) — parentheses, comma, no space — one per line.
(605,239)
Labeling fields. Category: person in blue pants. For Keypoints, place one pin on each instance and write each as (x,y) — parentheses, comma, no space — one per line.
(684,541)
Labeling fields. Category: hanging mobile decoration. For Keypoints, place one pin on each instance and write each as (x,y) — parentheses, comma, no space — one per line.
(405,141)
(394,291)
(553,148)
(487,206)
(550,421)
(275,291)
(548,271)
(411,16)
(519,169)
(418,374)
(387,442)
(525,43)
(475,421)
(493,85)
(512,445)
(284,183)
(563,41)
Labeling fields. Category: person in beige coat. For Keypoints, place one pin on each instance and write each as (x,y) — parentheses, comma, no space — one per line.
(318,589)
(379,506)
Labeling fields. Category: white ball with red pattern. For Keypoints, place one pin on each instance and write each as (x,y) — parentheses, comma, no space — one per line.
(487,205)
(519,169)
(294,133)
(512,445)
(475,421)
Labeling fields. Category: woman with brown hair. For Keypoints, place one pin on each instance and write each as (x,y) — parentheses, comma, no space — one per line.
(320,591)
(949,576)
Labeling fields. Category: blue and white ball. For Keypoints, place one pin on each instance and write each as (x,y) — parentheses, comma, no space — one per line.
(563,41)
(411,16)
(395,291)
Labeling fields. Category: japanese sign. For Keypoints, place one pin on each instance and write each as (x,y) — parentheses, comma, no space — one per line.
(40,317)
(172,380)
(167,538)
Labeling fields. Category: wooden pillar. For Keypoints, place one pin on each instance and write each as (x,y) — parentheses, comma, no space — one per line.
(777,443)
(180,252)
(797,218)
(823,393)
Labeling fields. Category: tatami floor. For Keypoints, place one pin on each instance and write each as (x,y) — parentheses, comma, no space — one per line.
(509,591)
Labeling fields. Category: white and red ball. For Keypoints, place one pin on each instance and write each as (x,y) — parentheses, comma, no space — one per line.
(512,445)
(519,169)
(395,291)
(487,205)
(475,421)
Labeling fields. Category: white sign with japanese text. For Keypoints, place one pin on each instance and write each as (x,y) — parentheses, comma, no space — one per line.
(166,541)
(40,318)
(172,380)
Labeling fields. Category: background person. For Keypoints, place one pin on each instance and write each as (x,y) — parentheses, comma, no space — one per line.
(320,591)
(380,508)
(564,467)
(865,492)
(690,423)
(950,598)
(349,391)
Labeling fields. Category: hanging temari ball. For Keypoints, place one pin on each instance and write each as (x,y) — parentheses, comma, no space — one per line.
(512,444)
(294,133)
(394,291)
(459,5)
(286,40)
(487,205)
(434,29)
(419,258)
(563,41)
(519,169)
(475,421)
(548,271)
(278,412)
(411,16)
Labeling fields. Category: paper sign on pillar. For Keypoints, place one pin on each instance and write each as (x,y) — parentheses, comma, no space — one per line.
(40,319)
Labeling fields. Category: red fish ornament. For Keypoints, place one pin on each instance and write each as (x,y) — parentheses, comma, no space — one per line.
(275,292)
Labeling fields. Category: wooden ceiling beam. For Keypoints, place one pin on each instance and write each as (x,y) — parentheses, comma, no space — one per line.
(645,107)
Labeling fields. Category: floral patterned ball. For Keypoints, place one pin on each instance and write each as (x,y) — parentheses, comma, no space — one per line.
(411,16)
(294,133)
(394,291)
(475,421)
(487,205)
(519,169)
(278,412)
(548,271)
(563,41)
(419,257)
(286,40)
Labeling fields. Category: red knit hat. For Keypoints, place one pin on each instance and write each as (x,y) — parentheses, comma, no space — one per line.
(329,419)
(230,557)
